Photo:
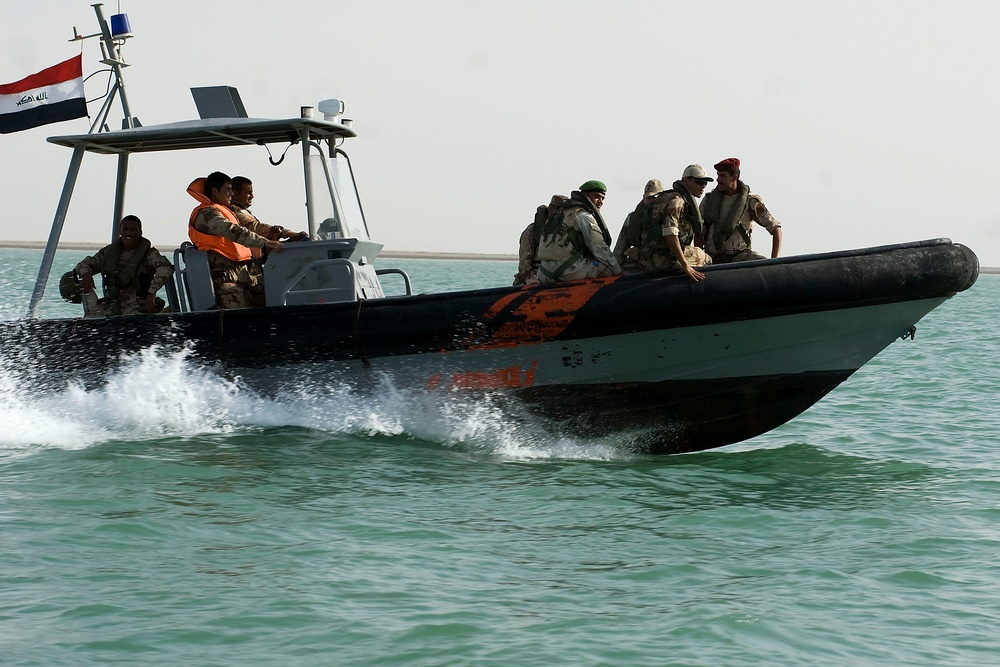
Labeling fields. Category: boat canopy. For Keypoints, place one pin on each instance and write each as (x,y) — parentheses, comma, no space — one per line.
(207,133)
(340,210)
(333,208)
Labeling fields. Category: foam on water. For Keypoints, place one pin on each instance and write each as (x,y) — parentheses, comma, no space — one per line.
(157,393)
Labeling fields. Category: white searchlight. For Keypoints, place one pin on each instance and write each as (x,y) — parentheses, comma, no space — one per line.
(331,109)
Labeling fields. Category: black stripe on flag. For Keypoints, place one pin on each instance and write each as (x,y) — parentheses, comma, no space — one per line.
(43,115)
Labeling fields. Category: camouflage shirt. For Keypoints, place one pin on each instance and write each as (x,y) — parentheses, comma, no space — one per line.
(155,264)
(670,209)
(559,254)
(735,243)
(527,263)
(210,220)
(250,221)
(670,219)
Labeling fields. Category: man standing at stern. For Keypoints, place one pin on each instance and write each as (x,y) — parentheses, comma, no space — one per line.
(729,212)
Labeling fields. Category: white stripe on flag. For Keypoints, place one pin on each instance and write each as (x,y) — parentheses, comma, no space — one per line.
(51,96)
(36,97)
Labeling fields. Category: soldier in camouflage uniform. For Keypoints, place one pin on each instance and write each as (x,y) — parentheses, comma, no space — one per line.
(670,239)
(729,212)
(133,272)
(575,240)
(527,255)
(236,276)
(240,206)
(626,247)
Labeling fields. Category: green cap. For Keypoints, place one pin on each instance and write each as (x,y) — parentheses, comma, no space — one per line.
(594,186)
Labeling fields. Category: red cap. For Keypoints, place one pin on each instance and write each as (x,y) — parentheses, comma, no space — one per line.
(729,164)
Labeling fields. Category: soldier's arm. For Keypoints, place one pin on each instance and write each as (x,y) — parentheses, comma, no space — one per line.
(271,232)
(160,267)
(525,252)
(254,225)
(763,217)
(776,242)
(699,237)
(211,221)
(621,245)
(674,243)
(671,235)
(594,240)
(672,217)
(88,266)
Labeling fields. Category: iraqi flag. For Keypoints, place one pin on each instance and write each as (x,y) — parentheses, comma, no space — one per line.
(55,94)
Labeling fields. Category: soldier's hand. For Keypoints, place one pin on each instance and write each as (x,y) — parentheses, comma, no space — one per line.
(151,302)
(693,274)
(274,245)
(87,283)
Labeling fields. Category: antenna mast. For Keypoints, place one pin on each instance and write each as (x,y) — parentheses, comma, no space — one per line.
(112,36)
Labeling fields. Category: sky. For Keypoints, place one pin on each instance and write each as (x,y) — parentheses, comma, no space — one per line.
(858,123)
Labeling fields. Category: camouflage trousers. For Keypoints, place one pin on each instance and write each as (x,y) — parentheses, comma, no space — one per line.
(128,305)
(742,256)
(664,261)
(239,294)
(696,256)
(236,285)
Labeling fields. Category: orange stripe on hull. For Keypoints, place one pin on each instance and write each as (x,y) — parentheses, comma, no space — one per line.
(504,378)
(542,316)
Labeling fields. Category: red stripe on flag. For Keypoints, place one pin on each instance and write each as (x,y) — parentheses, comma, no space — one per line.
(64,71)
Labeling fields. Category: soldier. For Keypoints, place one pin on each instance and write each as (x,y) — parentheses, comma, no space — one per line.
(575,240)
(671,238)
(527,255)
(240,206)
(133,272)
(626,248)
(237,279)
(729,212)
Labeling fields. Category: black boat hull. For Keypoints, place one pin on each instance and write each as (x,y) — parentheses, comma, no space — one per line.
(678,365)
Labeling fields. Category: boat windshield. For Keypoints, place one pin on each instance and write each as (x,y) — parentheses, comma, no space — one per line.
(335,208)
(343,177)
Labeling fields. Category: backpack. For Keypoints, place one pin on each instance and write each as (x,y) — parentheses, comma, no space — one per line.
(639,219)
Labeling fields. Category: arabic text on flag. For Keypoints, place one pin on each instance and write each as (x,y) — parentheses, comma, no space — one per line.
(53,95)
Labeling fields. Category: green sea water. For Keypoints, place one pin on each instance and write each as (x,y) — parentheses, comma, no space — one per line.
(173,517)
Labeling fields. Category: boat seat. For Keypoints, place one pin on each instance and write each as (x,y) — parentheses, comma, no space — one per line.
(195,278)
(173,302)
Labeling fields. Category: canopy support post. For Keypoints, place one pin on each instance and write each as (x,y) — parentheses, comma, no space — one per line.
(56,232)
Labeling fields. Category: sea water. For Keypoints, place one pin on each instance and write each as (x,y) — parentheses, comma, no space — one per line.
(173,517)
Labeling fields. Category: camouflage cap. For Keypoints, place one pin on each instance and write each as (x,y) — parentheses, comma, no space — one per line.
(653,187)
(594,186)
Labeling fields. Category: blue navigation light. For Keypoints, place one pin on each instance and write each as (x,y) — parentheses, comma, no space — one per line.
(120,28)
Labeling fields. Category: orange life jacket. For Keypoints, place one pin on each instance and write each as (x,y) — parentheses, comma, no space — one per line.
(220,244)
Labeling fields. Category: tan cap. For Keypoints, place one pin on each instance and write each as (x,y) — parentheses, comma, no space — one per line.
(697,172)
(653,187)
